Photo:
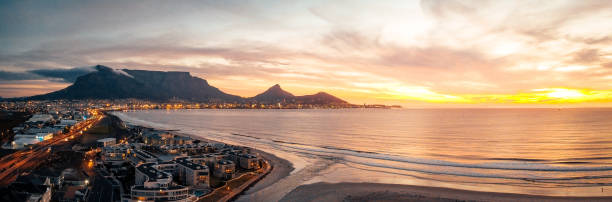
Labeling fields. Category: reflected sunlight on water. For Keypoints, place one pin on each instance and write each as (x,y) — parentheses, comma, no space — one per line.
(536,151)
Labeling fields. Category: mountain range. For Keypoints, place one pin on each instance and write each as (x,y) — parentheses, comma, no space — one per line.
(108,83)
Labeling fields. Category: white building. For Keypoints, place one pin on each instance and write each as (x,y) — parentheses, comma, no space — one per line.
(151,177)
(52,130)
(20,143)
(40,118)
(107,142)
(38,136)
(152,184)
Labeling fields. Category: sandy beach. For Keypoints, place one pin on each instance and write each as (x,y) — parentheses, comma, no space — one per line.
(393,192)
(280,168)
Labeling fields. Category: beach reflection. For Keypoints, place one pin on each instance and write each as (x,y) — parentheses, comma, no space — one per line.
(531,151)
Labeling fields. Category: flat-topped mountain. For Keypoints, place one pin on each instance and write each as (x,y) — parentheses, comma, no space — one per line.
(108,83)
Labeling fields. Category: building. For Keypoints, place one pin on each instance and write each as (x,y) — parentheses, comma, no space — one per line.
(206,159)
(149,176)
(185,148)
(40,118)
(224,169)
(38,136)
(248,161)
(21,143)
(192,174)
(181,140)
(152,184)
(169,167)
(56,179)
(141,156)
(141,193)
(107,142)
(114,155)
(159,138)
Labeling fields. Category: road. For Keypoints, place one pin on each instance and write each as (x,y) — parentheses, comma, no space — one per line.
(12,165)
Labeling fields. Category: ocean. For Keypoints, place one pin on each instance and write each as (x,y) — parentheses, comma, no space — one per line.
(557,152)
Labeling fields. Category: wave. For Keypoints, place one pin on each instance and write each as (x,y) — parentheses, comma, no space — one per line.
(505,164)
(433,166)
(483,175)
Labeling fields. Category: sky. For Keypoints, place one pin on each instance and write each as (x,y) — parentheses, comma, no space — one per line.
(429,53)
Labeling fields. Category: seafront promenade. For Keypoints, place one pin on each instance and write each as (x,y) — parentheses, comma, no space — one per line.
(237,186)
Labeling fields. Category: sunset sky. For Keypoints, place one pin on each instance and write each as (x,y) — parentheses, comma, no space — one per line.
(411,53)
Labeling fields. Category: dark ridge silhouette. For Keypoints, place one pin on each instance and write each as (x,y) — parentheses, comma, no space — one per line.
(274,94)
(320,98)
(108,83)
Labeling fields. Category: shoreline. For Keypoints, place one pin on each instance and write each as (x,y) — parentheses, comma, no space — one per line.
(365,191)
(346,191)
(281,168)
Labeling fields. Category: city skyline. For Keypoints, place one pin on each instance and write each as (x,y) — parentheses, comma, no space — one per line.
(411,53)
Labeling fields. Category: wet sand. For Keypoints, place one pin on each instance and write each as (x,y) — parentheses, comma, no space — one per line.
(394,192)
(281,168)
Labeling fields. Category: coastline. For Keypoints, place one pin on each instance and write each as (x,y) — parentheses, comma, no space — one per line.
(396,192)
(344,191)
(281,168)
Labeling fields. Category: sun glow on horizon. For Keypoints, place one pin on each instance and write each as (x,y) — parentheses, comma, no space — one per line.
(562,93)
(536,96)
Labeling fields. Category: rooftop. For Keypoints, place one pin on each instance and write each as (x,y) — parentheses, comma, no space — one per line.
(152,172)
(144,154)
(191,165)
(109,139)
(225,162)
(250,156)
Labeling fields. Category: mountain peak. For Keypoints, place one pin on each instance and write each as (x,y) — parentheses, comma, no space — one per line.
(102,68)
(274,94)
(320,98)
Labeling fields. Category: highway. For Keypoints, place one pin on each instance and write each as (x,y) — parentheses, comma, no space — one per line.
(12,165)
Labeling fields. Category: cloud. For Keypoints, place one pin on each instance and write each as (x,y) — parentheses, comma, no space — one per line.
(15,76)
(67,75)
(55,75)
(21,88)
(586,56)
